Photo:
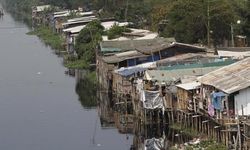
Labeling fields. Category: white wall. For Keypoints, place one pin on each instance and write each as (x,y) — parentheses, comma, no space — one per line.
(243,99)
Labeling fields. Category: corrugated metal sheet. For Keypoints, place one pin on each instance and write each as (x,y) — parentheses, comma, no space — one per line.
(173,75)
(197,64)
(240,54)
(123,56)
(231,78)
(183,57)
(150,48)
(80,21)
(42,8)
(189,86)
(127,71)
(81,18)
(234,49)
(108,46)
(76,29)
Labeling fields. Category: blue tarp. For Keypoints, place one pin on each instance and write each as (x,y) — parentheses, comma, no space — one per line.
(127,72)
(217,100)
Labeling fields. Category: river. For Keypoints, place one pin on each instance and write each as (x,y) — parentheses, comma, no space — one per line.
(39,106)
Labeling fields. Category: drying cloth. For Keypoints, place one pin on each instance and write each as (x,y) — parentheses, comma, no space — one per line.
(211,110)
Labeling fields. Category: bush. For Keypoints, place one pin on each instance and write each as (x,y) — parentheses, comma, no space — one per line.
(116,31)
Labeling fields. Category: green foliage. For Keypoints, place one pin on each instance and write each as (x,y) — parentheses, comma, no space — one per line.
(116,31)
(186,20)
(76,64)
(186,131)
(87,41)
(246,20)
(208,145)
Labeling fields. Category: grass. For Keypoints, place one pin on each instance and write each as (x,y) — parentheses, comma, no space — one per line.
(76,64)
(207,145)
(49,38)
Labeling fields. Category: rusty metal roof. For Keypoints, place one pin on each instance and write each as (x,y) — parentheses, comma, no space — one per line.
(116,58)
(159,46)
(128,45)
(193,57)
(173,75)
(229,79)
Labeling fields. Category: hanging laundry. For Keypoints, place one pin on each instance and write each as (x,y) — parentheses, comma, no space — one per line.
(211,110)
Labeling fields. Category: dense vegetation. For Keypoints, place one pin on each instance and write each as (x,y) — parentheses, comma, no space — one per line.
(87,41)
(187,20)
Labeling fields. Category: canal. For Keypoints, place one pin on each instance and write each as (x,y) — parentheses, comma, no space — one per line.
(39,106)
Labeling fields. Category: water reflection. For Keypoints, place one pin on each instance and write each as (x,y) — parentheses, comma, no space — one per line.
(85,88)
(115,113)
(157,137)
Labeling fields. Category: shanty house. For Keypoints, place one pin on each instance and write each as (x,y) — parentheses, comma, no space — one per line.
(185,93)
(72,33)
(166,50)
(38,16)
(226,92)
(181,75)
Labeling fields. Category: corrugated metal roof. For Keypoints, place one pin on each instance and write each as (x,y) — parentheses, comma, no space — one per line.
(107,25)
(76,29)
(234,49)
(183,57)
(231,78)
(81,18)
(42,8)
(108,46)
(173,75)
(127,71)
(198,64)
(189,86)
(158,46)
(80,21)
(123,56)
(61,12)
(234,54)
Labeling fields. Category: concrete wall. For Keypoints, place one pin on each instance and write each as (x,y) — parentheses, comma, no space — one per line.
(242,102)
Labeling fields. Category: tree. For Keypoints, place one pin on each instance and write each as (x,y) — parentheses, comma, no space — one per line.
(246,21)
(87,41)
(188,20)
(116,31)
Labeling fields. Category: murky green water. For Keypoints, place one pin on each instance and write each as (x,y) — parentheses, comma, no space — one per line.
(40,106)
(44,106)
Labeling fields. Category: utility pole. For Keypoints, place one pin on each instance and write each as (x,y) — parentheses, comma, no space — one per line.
(208,23)
(232,34)
(126,11)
